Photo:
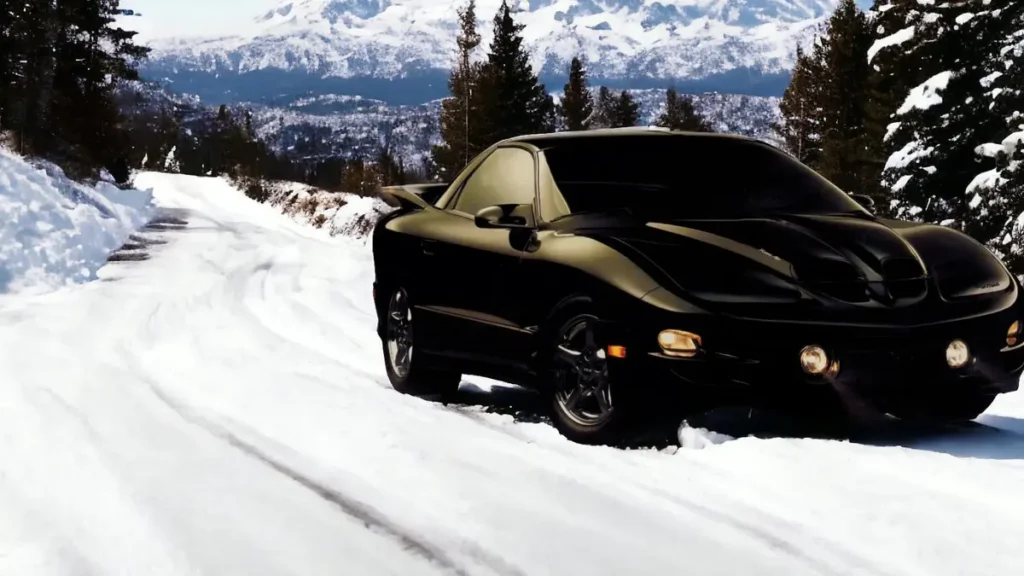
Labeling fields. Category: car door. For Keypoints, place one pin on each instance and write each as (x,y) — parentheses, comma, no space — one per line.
(476,268)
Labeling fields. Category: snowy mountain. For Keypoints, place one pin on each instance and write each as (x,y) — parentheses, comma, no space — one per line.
(399,50)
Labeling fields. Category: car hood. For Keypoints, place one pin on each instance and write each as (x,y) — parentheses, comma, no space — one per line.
(856,260)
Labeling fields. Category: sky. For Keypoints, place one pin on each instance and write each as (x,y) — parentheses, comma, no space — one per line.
(163,18)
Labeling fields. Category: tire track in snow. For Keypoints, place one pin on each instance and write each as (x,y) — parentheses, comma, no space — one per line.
(355,509)
(759,532)
(750,529)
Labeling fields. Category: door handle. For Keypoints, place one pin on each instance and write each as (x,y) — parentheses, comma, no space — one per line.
(427,246)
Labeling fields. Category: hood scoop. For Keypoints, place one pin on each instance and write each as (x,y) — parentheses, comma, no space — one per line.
(893,279)
(904,278)
(833,277)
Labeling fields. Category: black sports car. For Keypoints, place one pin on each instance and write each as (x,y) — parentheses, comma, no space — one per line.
(634,272)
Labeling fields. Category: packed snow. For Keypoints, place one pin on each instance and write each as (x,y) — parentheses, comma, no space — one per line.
(55,232)
(221,408)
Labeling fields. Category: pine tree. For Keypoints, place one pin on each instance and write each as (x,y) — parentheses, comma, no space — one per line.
(800,126)
(896,67)
(626,111)
(515,101)
(680,114)
(604,109)
(89,64)
(462,115)
(32,38)
(577,104)
(939,126)
(64,61)
(9,47)
(997,194)
(843,96)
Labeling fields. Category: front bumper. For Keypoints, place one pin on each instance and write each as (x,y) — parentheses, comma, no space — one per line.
(882,370)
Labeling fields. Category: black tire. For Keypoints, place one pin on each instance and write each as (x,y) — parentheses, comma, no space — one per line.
(407,372)
(587,407)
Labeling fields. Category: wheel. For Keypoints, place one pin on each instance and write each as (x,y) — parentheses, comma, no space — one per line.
(584,396)
(408,373)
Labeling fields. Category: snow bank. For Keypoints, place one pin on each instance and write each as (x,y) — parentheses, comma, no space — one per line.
(339,213)
(56,232)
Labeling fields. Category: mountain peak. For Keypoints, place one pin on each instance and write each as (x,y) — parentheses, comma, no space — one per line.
(650,41)
(312,12)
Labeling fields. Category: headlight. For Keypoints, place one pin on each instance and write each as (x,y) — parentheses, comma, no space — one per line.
(679,343)
(1013,334)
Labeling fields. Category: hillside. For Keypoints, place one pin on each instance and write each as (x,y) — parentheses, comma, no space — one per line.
(332,124)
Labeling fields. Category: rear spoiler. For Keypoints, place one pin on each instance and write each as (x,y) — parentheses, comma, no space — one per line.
(413,196)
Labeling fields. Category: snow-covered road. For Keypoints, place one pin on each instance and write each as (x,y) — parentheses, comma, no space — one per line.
(221,409)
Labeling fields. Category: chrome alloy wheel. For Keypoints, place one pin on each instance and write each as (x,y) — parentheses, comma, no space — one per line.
(399,333)
(582,384)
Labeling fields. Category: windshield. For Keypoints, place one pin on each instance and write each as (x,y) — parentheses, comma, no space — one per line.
(677,178)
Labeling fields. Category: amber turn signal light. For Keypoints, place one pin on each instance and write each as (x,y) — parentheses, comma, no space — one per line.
(617,351)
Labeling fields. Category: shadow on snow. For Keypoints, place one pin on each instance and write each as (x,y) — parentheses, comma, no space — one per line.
(990,437)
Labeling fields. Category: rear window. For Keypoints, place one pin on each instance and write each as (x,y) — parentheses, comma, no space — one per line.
(680,177)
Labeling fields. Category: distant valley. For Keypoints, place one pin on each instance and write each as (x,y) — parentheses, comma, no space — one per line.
(331,125)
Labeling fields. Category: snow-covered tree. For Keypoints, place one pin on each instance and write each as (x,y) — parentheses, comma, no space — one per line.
(939,123)
(171,163)
(997,194)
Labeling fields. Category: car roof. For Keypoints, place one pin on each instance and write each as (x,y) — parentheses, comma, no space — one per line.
(540,140)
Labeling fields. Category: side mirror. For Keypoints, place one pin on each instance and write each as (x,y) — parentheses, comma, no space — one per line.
(511,216)
(864,200)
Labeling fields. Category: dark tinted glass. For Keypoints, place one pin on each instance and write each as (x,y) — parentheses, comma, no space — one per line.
(505,177)
(673,177)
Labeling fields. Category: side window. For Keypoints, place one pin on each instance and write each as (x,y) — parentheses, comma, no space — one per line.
(506,177)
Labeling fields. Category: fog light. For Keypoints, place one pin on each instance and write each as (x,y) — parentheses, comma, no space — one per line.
(814,360)
(957,354)
(679,343)
(1013,334)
